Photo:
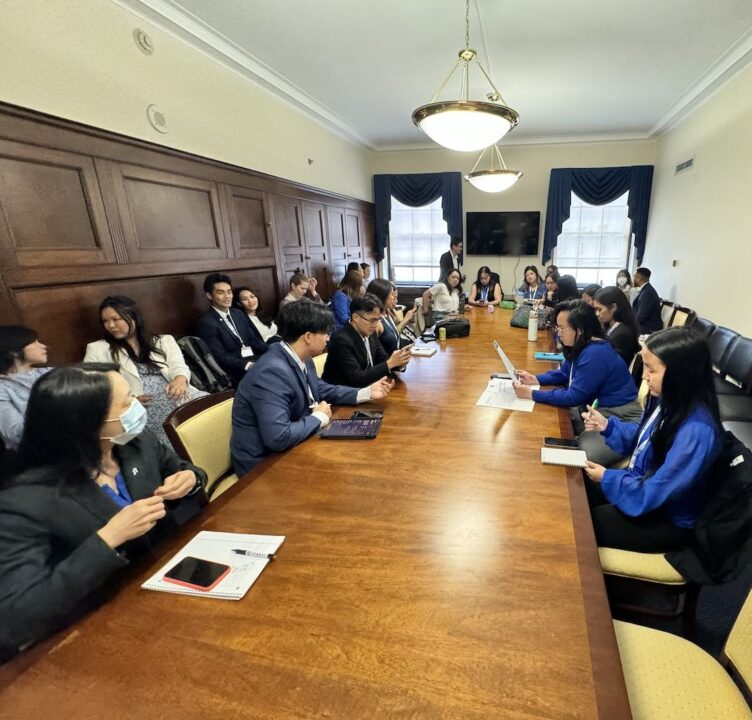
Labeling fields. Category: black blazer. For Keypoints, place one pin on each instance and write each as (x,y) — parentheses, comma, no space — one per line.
(224,344)
(625,342)
(647,308)
(347,362)
(51,558)
(447,265)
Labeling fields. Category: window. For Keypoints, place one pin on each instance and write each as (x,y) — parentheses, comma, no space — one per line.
(595,242)
(417,238)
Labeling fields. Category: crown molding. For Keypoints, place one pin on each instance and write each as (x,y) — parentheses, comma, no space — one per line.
(733,61)
(169,17)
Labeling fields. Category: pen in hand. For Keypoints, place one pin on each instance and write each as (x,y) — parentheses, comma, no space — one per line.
(253,553)
(594,406)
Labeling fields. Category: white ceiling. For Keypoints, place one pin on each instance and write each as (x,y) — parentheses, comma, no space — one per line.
(574,69)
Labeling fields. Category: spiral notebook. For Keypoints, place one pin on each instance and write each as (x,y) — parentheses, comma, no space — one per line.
(567,458)
(218,547)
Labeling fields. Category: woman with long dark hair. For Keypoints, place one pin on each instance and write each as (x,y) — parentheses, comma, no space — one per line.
(246,300)
(90,490)
(591,370)
(444,296)
(532,287)
(22,360)
(615,314)
(588,293)
(391,334)
(350,287)
(152,365)
(651,505)
(486,289)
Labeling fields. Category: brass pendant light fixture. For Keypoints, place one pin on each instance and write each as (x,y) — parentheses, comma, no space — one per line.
(466,125)
(496,179)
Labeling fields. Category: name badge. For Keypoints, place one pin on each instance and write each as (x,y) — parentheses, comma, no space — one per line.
(245,351)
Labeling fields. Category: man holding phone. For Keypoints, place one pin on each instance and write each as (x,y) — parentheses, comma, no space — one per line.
(356,357)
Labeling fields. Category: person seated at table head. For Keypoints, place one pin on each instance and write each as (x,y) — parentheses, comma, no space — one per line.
(450,260)
(356,357)
(651,505)
(247,301)
(443,297)
(152,365)
(22,362)
(91,489)
(233,340)
(591,370)
(486,290)
(615,314)
(588,293)
(281,401)
(646,304)
(392,328)
(532,287)
(365,268)
(299,286)
(350,287)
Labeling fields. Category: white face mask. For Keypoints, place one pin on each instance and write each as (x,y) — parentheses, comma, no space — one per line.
(621,281)
(133,421)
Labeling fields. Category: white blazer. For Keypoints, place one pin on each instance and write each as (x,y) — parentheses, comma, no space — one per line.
(99,351)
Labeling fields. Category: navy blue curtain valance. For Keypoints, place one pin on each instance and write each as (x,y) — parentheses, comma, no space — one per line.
(598,186)
(415,190)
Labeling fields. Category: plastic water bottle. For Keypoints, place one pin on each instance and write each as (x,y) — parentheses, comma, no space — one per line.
(532,325)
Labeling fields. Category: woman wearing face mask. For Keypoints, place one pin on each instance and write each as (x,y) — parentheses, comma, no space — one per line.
(89,491)
(591,370)
(532,288)
(651,505)
(615,314)
(246,301)
(21,355)
(152,365)
(624,283)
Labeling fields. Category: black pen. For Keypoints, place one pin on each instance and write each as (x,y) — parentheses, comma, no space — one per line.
(253,553)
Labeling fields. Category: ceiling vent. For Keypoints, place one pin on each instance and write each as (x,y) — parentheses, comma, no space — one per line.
(684,166)
(143,41)
(157,119)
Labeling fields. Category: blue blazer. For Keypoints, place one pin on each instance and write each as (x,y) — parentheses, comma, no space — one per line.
(271,410)
(224,344)
(341,309)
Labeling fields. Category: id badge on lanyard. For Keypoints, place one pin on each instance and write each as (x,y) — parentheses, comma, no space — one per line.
(644,437)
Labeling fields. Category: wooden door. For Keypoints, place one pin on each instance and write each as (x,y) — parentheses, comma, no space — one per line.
(354,236)
(289,237)
(337,242)
(317,250)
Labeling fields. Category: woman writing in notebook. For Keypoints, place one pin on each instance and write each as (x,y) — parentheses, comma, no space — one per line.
(591,370)
(652,505)
(90,488)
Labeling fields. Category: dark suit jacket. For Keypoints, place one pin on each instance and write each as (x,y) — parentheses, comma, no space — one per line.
(271,411)
(51,558)
(624,342)
(347,362)
(446,264)
(224,344)
(647,308)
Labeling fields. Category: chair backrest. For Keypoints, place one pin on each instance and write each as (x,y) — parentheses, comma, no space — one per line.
(703,326)
(667,312)
(318,362)
(739,644)
(682,316)
(719,343)
(737,363)
(200,433)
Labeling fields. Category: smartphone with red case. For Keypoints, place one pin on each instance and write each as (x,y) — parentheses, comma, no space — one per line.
(197,574)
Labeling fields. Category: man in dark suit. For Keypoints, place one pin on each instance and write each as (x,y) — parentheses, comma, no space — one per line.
(450,260)
(647,304)
(356,357)
(281,401)
(232,338)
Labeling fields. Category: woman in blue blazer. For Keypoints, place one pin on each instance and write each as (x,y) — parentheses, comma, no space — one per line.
(592,370)
(651,505)
(350,287)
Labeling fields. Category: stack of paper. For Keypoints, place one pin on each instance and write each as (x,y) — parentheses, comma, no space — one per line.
(500,394)
(218,547)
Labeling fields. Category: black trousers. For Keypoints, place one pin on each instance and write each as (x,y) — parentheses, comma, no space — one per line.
(650,533)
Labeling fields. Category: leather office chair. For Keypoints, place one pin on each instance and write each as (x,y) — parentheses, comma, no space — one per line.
(319,361)
(668,677)
(734,382)
(703,326)
(667,312)
(200,433)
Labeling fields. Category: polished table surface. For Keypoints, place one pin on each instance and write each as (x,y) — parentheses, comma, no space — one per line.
(438,571)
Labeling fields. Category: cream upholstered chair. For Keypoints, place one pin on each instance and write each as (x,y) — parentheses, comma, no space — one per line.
(670,678)
(200,433)
(318,362)
(667,312)
(682,316)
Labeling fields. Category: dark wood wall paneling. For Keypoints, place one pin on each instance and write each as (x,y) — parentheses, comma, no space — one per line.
(85,213)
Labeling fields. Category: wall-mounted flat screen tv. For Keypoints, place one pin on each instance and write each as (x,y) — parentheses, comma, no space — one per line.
(502,233)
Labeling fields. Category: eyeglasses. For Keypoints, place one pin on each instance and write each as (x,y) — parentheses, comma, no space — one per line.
(370,321)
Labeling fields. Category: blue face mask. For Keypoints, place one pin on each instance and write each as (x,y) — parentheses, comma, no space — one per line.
(133,421)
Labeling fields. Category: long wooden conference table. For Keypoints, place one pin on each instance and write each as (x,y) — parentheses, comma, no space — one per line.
(438,571)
